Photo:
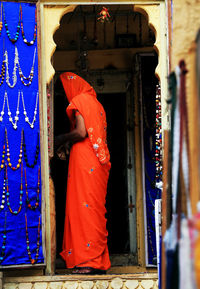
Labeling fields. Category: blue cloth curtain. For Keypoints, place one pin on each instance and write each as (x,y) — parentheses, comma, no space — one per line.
(16,247)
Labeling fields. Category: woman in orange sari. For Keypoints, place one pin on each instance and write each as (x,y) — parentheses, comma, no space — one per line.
(85,234)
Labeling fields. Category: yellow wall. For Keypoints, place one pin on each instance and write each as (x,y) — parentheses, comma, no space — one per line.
(186,22)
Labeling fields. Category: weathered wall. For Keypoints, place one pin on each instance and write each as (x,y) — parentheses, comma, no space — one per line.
(186,22)
(185,25)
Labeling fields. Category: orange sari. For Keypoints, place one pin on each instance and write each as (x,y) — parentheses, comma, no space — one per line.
(85,233)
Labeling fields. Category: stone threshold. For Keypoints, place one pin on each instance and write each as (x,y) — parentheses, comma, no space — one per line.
(128,281)
(62,278)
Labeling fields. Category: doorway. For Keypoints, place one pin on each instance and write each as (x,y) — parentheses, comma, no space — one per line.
(115,101)
(108,64)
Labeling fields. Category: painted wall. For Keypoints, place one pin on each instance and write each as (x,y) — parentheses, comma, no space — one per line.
(185,25)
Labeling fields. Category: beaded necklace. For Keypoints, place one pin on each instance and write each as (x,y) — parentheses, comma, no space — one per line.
(158,136)
(22,29)
(32,261)
(3,107)
(13,40)
(31,124)
(1,23)
(3,248)
(2,75)
(8,152)
(3,197)
(14,74)
(20,193)
(16,118)
(36,153)
(30,77)
(38,192)
(3,156)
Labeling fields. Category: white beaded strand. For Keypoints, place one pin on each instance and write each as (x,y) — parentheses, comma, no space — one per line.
(35,111)
(17,65)
(2,111)
(14,74)
(3,197)
(16,118)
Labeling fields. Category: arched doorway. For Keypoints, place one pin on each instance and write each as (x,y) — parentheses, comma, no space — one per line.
(107,54)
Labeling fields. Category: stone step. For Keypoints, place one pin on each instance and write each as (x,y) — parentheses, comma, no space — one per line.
(129,281)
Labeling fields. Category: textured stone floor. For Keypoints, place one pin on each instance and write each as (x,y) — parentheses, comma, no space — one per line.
(139,281)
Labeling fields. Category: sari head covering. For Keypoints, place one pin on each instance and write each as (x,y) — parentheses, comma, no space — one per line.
(82,97)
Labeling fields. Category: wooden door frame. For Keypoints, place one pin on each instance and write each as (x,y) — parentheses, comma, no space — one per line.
(156,15)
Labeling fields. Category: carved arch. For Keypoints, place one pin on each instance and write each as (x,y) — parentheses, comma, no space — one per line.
(156,16)
(52,16)
(152,14)
(155,13)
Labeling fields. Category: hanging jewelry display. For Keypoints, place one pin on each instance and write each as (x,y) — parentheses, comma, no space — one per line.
(3,197)
(32,261)
(20,164)
(8,152)
(35,110)
(2,75)
(3,68)
(50,119)
(14,74)
(38,192)
(30,77)
(158,151)
(20,193)
(3,156)
(3,107)
(13,40)
(22,29)
(3,247)
(36,153)
(1,23)
(16,118)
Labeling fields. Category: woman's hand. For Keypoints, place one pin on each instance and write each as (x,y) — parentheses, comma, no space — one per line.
(63,151)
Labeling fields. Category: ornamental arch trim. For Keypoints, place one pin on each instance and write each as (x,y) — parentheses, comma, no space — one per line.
(53,14)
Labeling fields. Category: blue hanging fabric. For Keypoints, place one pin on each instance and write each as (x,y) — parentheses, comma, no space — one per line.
(19,99)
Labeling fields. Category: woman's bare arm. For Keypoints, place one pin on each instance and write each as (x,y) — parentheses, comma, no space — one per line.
(79,133)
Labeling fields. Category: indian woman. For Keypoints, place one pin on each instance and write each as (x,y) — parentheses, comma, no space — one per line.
(85,235)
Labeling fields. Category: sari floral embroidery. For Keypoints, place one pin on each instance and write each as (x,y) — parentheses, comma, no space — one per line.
(91,170)
(85,205)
